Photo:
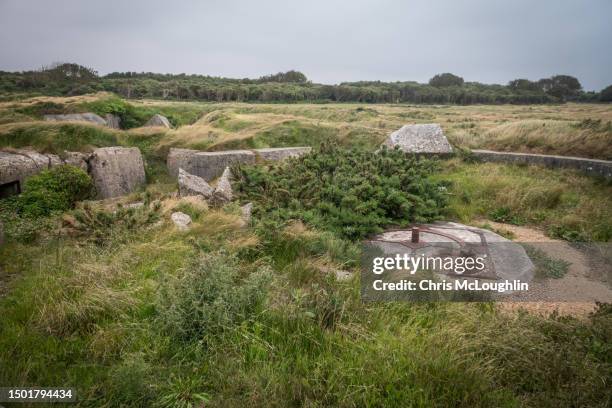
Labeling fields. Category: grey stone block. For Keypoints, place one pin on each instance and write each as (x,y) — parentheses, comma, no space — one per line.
(117,171)
(158,120)
(427,138)
(190,185)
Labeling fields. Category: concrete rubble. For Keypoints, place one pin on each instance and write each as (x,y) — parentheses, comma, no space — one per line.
(113,121)
(181,220)
(158,120)
(427,138)
(191,185)
(223,191)
(246,213)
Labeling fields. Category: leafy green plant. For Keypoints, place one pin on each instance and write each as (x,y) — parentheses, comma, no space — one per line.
(351,192)
(211,296)
(546,267)
(100,225)
(56,189)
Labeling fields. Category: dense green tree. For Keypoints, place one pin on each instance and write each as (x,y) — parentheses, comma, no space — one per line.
(523,85)
(289,76)
(606,94)
(446,79)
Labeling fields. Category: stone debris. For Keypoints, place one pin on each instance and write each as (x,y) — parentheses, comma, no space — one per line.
(223,191)
(181,220)
(343,276)
(77,117)
(427,138)
(158,120)
(117,171)
(247,212)
(113,121)
(136,205)
(191,185)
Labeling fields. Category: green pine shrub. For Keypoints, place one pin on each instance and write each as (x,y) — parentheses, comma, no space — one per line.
(350,192)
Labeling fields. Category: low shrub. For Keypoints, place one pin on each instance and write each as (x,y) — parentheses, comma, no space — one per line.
(350,192)
(56,189)
(211,296)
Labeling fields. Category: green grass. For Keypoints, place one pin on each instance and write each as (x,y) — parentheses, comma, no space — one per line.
(564,203)
(546,267)
(151,316)
(134,313)
(55,138)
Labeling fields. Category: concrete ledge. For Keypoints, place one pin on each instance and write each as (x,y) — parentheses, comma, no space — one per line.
(281,153)
(210,165)
(595,167)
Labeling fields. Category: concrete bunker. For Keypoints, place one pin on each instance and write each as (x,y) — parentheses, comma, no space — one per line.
(503,259)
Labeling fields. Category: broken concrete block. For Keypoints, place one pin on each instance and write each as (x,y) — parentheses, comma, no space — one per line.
(281,153)
(117,171)
(113,121)
(419,139)
(223,191)
(76,159)
(208,165)
(181,220)
(190,185)
(158,120)
(246,213)
(77,117)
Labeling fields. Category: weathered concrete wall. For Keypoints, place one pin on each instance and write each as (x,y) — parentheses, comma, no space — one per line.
(116,171)
(77,117)
(590,166)
(18,165)
(281,153)
(210,165)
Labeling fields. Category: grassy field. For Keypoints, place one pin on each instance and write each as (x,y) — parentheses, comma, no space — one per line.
(132,312)
(570,129)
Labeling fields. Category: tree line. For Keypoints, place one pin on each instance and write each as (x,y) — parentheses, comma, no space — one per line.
(293,86)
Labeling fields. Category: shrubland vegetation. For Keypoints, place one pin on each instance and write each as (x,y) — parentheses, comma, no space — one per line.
(223,315)
(291,86)
(114,301)
(350,192)
(50,192)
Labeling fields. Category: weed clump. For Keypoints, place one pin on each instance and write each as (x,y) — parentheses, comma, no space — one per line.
(350,192)
(56,189)
(211,296)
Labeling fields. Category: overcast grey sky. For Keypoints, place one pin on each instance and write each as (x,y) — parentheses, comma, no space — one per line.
(330,41)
